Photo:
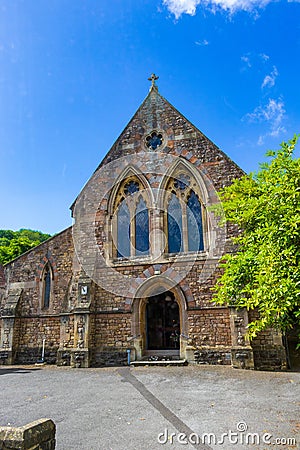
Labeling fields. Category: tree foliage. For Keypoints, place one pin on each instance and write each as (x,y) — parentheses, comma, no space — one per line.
(264,274)
(14,243)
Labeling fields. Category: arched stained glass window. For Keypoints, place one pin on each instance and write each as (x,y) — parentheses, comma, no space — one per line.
(184,213)
(46,286)
(174,218)
(194,223)
(141,228)
(123,224)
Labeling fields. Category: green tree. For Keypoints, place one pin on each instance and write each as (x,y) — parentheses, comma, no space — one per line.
(264,273)
(33,235)
(7,234)
(15,243)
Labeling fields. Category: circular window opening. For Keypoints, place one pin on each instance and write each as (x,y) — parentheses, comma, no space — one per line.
(154,140)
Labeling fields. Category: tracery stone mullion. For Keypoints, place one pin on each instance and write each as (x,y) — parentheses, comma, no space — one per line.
(166,221)
(205,233)
(156,231)
(113,226)
(149,227)
(132,211)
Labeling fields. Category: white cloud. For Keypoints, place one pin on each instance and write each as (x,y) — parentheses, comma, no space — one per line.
(252,59)
(269,80)
(273,113)
(203,43)
(264,57)
(261,140)
(179,7)
(246,60)
(238,5)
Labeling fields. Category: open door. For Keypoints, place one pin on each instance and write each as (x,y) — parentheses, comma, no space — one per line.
(162,322)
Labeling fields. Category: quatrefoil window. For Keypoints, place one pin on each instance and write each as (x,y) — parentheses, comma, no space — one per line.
(182,182)
(154,140)
(131,187)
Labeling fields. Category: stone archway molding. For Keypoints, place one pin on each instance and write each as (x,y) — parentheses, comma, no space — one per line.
(153,286)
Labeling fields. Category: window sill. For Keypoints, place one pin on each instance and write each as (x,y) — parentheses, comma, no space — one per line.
(165,258)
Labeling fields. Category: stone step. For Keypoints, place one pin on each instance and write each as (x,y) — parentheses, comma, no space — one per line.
(170,362)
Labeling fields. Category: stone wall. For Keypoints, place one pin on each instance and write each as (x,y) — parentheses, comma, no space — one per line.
(108,356)
(211,356)
(38,435)
(200,291)
(112,330)
(209,336)
(209,327)
(268,350)
(31,332)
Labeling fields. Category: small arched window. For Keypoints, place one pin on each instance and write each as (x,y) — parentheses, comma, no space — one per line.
(47,281)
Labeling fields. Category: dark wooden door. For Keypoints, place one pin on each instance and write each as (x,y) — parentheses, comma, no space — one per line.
(163,326)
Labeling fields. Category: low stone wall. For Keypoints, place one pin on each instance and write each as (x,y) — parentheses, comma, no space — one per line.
(109,357)
(5,357)
(270,358)
(38,435)
(31,355)
(210,356)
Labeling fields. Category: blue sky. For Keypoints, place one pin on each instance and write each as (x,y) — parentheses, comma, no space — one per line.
(73,72)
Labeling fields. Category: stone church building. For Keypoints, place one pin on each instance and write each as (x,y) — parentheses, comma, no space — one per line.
(132,278)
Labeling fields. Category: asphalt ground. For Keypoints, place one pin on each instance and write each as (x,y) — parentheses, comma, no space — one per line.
(204,407)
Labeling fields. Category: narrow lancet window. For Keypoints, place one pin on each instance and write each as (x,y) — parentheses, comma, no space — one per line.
(123,224)
(141,228)
(194,223)
(46,286)
(174,217)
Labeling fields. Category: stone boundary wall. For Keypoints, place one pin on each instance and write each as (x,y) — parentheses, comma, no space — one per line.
(38,435)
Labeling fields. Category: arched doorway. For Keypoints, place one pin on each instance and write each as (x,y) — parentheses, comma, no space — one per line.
(162,322)
(148,306)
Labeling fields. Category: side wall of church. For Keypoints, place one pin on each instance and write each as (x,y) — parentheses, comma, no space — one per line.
(33,322)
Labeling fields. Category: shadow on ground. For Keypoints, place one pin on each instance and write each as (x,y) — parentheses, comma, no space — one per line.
(17,371)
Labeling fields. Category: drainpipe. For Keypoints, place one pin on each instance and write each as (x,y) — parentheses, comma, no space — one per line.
(41,361)
(128,356)
(43,350)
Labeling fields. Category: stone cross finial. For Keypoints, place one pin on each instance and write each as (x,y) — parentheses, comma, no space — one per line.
(153,78)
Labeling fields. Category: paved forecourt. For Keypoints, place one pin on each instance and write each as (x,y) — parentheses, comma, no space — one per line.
(205,407)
